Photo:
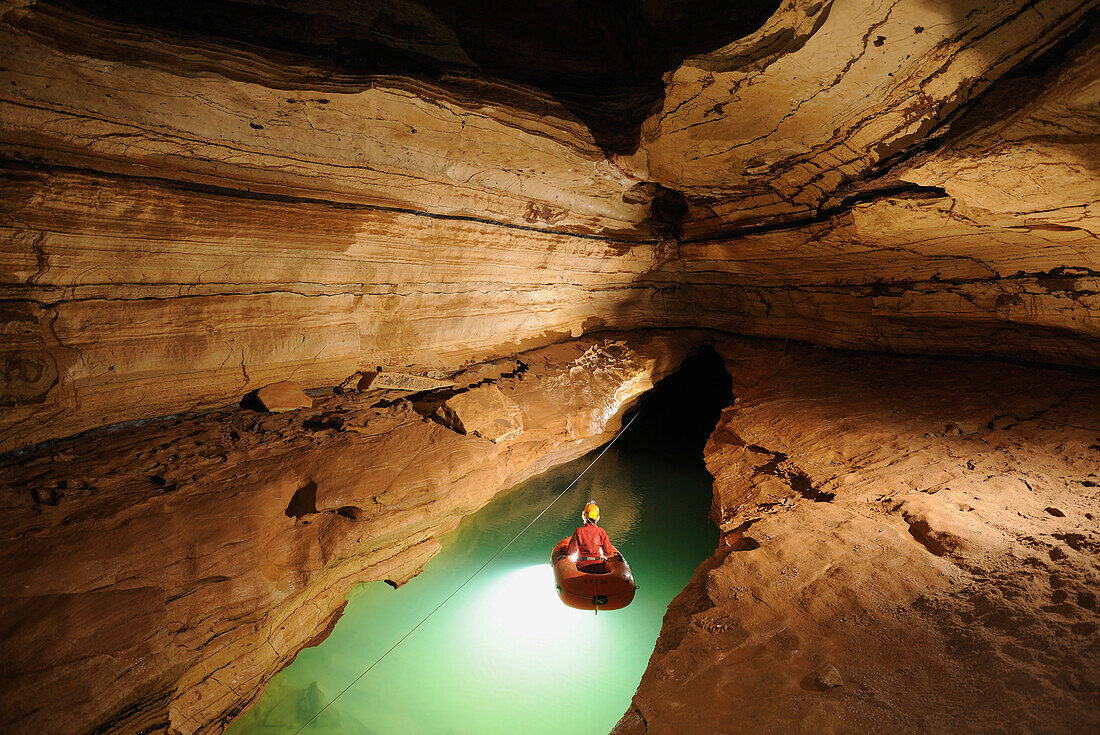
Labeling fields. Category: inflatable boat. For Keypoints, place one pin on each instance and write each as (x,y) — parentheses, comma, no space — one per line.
(611,589)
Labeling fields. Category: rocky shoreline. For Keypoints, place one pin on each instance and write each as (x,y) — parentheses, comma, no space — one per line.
(909,546)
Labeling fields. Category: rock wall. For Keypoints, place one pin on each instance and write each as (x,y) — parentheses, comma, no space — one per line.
(158,576)
(188,217)
(176,238)
(868,175)
(198,205)
(907,546)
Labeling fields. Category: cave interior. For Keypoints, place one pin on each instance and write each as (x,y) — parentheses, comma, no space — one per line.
(290,287)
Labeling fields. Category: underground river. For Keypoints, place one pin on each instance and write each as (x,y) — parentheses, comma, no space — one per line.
(505,655)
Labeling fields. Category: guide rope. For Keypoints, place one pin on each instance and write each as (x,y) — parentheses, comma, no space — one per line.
(470,578)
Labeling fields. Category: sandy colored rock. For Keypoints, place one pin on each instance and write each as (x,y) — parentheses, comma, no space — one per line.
(246,531)
(763,129)
(283,396)
(190,214)
(483,411)
(402,381)
(853,528)
(922,565)
(357,381)
(808,181)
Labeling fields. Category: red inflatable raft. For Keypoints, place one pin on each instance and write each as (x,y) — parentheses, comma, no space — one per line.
(611,589)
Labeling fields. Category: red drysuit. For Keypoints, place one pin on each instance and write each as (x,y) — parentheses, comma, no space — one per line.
(587,540)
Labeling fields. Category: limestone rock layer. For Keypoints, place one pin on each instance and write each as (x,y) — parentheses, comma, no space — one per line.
(189,214)
(201,200)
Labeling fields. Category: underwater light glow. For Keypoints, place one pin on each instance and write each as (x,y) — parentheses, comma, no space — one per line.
(516,629)
(522,606)
(505,655)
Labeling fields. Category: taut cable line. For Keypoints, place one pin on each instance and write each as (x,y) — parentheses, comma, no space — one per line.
(471,577)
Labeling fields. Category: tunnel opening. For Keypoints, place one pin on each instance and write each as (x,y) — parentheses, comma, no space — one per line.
(679,414)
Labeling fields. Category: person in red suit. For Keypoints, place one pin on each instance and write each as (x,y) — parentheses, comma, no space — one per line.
(590,547)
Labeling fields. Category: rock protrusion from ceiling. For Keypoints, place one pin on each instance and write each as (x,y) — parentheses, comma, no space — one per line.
(600,61)
(981,239)
(824,92)
(667,208)
(395,143)
(1030,147)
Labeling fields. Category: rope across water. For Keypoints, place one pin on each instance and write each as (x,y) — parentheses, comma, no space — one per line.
(470,578)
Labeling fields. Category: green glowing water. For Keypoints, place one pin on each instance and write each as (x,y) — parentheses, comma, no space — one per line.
(505,656)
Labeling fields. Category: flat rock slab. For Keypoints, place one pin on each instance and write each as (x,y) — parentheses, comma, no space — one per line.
(484,412)
(401,381)
(283,396)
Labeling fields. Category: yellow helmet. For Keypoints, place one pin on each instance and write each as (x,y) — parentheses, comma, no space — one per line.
(591,511)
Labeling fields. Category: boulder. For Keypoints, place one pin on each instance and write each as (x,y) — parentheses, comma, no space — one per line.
(828,676)
(283,396)
(484,412)
(358,381)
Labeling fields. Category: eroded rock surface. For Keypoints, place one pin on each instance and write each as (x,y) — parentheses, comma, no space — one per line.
(991,232)
(896,556)
(197,204)
(201,200)
(159,575)
(483,411)
(283,396)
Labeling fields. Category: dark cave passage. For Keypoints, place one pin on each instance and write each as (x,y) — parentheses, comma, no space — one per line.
(679,414)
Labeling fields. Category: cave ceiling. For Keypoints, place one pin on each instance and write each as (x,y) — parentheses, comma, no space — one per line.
(200,199)
(603,61)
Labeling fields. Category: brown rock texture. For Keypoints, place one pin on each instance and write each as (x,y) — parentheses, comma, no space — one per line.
(909,546)
(483,411)
(283,396)
(187,218)
(158,577)
(985,244)
(201,199)
(161,220)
